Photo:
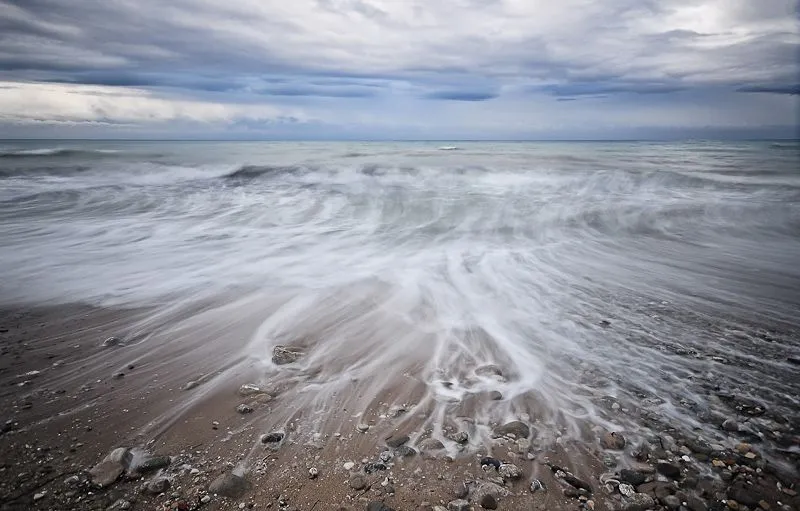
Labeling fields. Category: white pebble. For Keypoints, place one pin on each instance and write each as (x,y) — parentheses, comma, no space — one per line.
(349,465)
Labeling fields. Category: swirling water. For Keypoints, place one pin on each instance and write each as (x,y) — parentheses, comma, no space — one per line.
(660,276)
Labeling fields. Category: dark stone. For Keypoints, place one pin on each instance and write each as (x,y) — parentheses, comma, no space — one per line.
(357,482)
(369,468)
(488,460)
(659,489)
(229,485)
(460,490)
(488,502)
(431,444)
(272,438)
(669,469)
(577,483)
(153,463)
(405,451)
(698,446)
(396,441)
(517,428)
(744,493)
(730,425)
(495,395)
(633,477)
(671,502)
(638,502)
(489,370)
(157,486)
(458,505)
(695,503)
(108,471)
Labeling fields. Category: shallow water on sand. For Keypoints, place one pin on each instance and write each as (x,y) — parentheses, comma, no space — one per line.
(633,286)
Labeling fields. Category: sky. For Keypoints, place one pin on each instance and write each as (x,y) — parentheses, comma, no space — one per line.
(399,69)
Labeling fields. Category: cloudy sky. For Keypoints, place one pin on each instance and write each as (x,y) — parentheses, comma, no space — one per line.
(422,69)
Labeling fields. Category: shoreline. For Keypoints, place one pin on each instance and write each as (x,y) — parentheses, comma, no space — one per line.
(68,402)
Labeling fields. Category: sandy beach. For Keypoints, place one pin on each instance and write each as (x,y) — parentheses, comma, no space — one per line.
(103,410)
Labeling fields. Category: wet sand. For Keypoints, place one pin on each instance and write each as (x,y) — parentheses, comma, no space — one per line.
(68,399)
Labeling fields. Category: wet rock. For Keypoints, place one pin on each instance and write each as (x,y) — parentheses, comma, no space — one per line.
(484,488)
(699,446)
(430,444)
(157,486)
(111,467)
(510,472)
(249,389)
(458,505)
(313,473)
(460,490)
(671,502)
(695,503)
(577,483)
(668,469)
(110,342)
(282,355)
(634,477)
(272,438)
(537,485)
(495,395)
(489,370)
(362,427)
(405,451)
(357,482)
(793,360)
(396,441)
(730,425)
(460,438)
(613,440)
(349,466)
(638,502)
(744,493)
(668,443)
(488,502)
(370,468)
(517,428)
(386,456)
(244,409)
(151,464)
(492,462)
(229,485)
(626,489)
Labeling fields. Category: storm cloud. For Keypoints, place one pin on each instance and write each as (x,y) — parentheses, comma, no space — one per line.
(510,68)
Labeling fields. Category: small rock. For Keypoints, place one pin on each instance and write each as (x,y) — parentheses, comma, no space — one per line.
(152,463)
(248,389)
(362,428)
(638,502)
(668,469)
(537,485)
(111,467)
(349,466)
(696,503)
(357,482)
(495,395)
(461,437)
(282,355)
(158,486)
(460,490)
(205,499)
(732,504)
(613,440)
(510,472)
(730,425)
(489,370)
(313,473)
(72,480)
(243,409)
(626,489)
(633,477)
(517,428)
(396,441)
(110,342)
(491,462)
(488,502)
(671,502)
(458,505)
(39,496)
(745,494)
(405,451)
(430,444)
(229,485)
(272,438)
(489,488)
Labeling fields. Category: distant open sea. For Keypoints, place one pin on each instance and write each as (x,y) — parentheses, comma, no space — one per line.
(613,257)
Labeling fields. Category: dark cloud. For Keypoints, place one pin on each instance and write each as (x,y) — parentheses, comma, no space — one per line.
(579,89)
(461,95)
(772,89)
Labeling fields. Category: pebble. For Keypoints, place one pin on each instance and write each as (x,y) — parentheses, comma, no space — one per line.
(488,502)
(357,482)
(638,502)
(405,451)
(243,409)
(613,440)
(668,469)
(460,490)
(396,441)
(517,428)
(491,462)
(111,467)
(158,486)
(362,428)
(671,502)
(272,438)
(349,465)
(206,499)
(537,485)
(509,471)
(111,341)
(229,485)
(730,425)
(458,505)
(431,444)
(626,489)
(39,496)
(461,437)
(313,473)
(282,355)
(495,395)
(633,477)
(248,389)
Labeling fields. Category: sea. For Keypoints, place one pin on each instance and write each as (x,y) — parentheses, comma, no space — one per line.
(658,276)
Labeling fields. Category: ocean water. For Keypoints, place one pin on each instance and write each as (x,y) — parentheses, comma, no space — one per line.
(662,278)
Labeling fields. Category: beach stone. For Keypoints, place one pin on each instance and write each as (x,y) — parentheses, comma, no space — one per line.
(745,494)
(431,444)
(638,502)
(243,409)
(158,486)
(248,389)
(272,438)
(695,503)
(671,502)
(495,395)
(458,505)
(489,370)
(369,468)
(349,466)
(461,437)
(111,467)
(613,440)
(396,441)
(670,470)
(152,463)
(491,462)
(509,471)
(405,451)
(633,477)
(667,443)
(313,473)
(362,427)
(699,446)
(460,490)
(517,428)
(111,341)
(484,488)
(537,485)
(577,483)
(488,502)
(282,355)
(626,489)
(357,482)
(730,425)
(229,485)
